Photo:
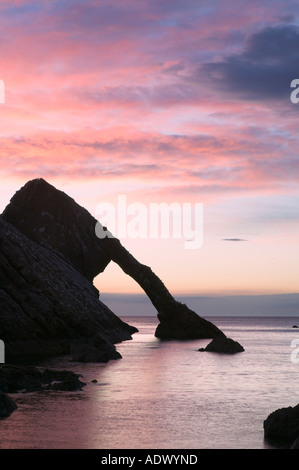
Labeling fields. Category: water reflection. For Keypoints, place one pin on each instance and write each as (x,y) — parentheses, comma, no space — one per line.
(162,395)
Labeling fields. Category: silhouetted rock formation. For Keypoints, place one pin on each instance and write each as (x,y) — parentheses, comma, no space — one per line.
(177,321)
(26,379)
(17,378)
(7,405)
(223,345)
(46,305)
(283,425)
(54,220)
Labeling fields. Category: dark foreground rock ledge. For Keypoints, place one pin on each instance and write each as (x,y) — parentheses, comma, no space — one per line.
(55,222)
(23,379)
(7,405)
(282,425)
(16,378)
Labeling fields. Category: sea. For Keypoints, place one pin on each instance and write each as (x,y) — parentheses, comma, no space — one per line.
(167,394)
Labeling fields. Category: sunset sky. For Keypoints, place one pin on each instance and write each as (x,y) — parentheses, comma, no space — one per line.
(163,101)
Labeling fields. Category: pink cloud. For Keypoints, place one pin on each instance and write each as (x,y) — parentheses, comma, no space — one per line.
(93,91)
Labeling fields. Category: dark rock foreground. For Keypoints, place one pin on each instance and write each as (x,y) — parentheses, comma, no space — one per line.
(19,378)
(283,425)
(49,255)
(7,405)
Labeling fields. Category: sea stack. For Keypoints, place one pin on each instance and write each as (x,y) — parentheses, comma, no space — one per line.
(50,254)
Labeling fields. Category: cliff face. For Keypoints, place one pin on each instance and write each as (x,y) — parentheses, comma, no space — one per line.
(48,308)
(49,256)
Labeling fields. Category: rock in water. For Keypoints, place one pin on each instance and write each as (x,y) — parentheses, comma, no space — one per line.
(7,405)
(283,424)
(177,321)
(66,231)
(17,378)
(223,345)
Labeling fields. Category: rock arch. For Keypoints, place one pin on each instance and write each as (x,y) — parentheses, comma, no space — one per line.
(54,220)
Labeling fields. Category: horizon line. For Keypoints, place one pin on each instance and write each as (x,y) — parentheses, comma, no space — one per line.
(203,294)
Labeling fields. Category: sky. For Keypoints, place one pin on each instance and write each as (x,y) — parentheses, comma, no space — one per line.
(162,102)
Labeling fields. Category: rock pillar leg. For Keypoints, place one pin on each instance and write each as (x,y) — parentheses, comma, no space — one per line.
(177,321)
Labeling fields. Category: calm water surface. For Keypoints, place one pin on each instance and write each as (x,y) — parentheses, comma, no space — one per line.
(166,395)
